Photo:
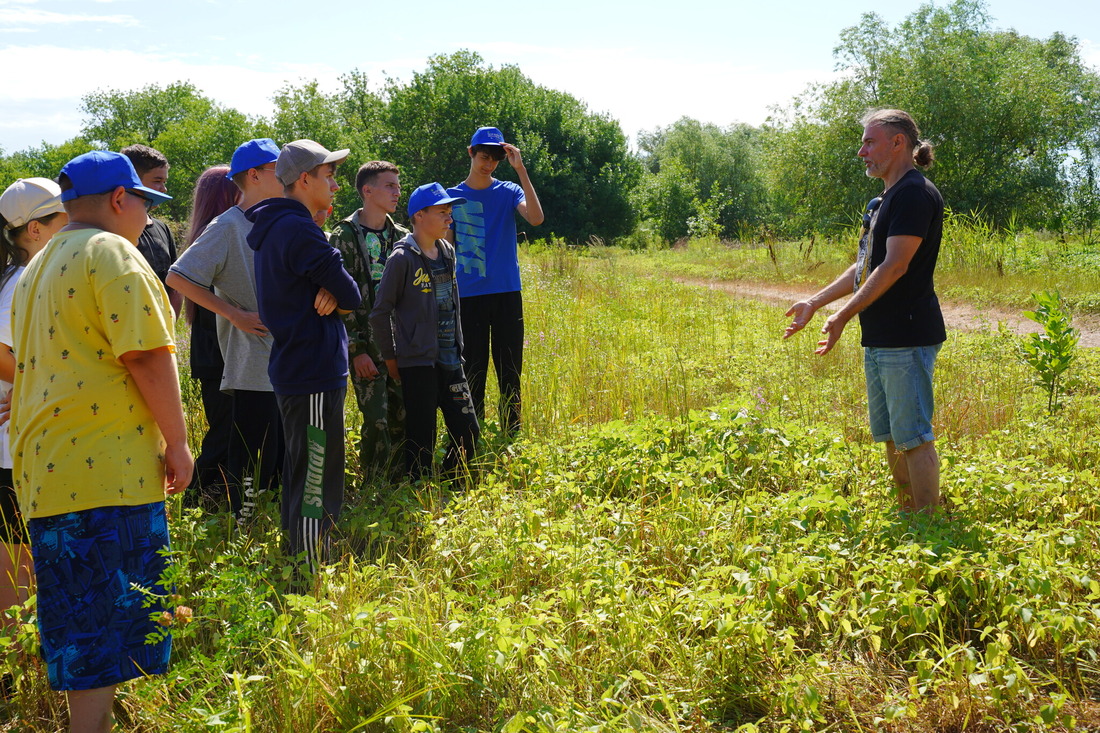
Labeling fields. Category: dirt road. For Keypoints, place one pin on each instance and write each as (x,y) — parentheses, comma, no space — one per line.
(958,316)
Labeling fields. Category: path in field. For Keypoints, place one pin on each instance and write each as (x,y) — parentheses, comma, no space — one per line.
(958,316)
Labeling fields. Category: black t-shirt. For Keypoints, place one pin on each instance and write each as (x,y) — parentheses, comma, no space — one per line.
(158,247)
(443,284)
(206,352)
(908,314)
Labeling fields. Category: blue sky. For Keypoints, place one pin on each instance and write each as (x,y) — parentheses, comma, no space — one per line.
(645,63)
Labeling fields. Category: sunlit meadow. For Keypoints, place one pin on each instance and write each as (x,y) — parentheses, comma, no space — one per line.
(695,533)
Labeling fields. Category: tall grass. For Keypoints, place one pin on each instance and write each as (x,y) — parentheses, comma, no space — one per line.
(695,534)
(977,264)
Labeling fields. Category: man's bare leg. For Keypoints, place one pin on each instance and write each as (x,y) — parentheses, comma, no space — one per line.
(923,464)
(90,710)
(899,468)
(917,475)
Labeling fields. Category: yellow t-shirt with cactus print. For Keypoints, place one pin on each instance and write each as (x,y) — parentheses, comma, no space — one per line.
(82,435)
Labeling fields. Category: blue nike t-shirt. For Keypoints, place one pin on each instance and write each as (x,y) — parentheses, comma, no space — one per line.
(485,238)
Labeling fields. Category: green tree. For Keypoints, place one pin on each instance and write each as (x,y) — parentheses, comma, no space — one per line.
(668,200)
(1083,194)
(115,118)
(192,131)
(362,114)
(1003,109)
(44,161)
(724,164)
(811,170)
(305,111)
(579,161)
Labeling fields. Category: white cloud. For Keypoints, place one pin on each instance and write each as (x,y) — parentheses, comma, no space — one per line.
(643,89)
(1090,54)
(74,73)
(29,16)
(25,125)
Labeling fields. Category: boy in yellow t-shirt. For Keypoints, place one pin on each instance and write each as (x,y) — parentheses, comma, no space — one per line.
(98,435)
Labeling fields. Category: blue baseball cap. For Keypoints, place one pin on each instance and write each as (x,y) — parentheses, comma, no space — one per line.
(431,194)
(253,154)
(101,171)
(487,136)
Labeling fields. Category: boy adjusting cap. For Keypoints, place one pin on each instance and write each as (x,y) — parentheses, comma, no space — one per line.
(30,198)
(431,194)
(101,171)
(487,136)
(302,156)
(253,154)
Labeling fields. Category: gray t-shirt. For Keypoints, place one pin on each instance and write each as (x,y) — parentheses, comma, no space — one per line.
(221,258)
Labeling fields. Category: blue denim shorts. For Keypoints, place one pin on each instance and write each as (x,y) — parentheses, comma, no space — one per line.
(899,393)
(95,625)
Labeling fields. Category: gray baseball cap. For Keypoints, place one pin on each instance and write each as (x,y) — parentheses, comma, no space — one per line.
(302,156)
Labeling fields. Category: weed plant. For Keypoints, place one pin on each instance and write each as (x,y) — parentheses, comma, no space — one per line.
(694,534)
(1052,352)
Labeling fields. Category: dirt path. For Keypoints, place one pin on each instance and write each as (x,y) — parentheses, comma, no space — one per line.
(958,316)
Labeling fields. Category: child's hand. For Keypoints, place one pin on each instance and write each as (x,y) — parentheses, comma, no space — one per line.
(249,322)
(178,468)
(391,367)
(514,158)
(325,302)
(364,367)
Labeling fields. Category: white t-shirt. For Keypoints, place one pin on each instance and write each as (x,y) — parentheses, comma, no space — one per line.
(221,258)
(6,294)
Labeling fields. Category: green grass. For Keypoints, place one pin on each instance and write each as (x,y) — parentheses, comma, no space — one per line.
(977,265)
(696,534)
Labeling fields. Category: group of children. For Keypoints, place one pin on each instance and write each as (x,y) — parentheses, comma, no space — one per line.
(98,433)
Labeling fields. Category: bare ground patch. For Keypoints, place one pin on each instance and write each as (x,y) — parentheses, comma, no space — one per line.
(957,315)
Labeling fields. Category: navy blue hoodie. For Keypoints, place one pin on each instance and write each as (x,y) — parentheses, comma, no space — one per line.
(309,353)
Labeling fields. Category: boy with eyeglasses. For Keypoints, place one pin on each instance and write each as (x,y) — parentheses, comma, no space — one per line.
(99,437)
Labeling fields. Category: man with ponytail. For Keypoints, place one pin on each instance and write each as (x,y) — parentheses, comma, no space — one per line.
(892,292)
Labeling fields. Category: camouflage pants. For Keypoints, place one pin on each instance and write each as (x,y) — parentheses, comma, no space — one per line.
(383,428)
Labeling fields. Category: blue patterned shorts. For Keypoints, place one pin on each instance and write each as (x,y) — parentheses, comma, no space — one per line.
(93,622)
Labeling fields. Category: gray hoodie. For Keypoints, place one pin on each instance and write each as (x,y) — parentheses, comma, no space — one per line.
(405,317)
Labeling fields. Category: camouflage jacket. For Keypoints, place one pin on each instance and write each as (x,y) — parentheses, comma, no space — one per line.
(364,261)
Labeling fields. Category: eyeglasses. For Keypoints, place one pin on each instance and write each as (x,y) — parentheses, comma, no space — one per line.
(149,203)
(872,206)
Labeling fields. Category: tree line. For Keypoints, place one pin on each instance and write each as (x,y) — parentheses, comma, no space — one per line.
(1016,122)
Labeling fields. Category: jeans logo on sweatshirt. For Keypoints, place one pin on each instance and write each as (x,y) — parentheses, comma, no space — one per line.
(422,280)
